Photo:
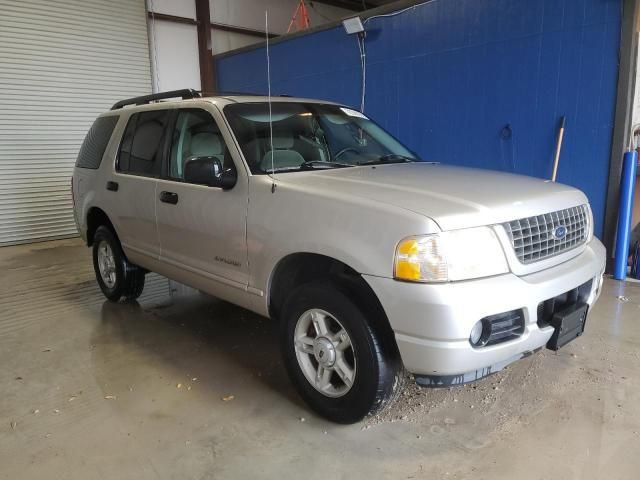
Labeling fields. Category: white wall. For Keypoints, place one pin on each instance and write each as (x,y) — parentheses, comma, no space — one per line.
(179,8)
(174,56)
(636,99)
(250,13)
(174,46)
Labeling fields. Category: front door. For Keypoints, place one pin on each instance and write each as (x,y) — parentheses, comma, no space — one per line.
(202,229)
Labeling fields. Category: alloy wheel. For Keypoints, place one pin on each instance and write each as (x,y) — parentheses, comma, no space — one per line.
(325,353)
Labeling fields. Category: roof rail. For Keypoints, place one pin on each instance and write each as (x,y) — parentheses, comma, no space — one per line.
(232,93)
(184,93)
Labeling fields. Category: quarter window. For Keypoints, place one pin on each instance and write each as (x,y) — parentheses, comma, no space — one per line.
(142,143)
(95,143)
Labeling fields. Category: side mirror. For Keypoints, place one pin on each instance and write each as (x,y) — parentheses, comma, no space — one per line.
(209,171)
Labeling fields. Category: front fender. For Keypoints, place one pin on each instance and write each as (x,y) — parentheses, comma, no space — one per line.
(359,233)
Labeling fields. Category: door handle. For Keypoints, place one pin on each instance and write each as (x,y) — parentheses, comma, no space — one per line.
(169,197)
(112,186)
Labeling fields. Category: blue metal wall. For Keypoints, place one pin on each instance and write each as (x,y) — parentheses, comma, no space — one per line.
(448,76)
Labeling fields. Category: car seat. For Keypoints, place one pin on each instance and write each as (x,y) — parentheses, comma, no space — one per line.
(283,154)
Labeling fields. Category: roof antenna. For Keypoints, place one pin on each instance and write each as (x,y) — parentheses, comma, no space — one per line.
(266,34)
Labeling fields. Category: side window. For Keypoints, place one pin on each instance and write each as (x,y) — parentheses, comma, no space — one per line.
(196,134)
(142,143)
(125,145)
(95,143)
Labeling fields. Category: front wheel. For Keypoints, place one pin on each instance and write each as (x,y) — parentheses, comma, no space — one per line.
(335,357)
(117,277)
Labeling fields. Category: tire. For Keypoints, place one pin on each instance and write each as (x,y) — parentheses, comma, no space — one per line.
(117,277)
(365,377)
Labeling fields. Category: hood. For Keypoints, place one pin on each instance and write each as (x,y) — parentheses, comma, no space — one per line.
(454,197)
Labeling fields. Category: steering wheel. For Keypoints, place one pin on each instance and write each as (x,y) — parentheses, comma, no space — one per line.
(345,150)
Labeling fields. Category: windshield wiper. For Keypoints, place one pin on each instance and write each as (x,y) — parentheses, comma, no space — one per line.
(319,164)
(391,158)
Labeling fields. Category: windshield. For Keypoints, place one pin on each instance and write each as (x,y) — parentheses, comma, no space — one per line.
(309,136)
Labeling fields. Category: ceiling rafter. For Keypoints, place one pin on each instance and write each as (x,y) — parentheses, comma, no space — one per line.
(355,5)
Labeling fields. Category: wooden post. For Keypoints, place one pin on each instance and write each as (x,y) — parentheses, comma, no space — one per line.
(205,54)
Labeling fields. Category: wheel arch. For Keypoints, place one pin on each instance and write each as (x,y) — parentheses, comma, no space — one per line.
(95,218)
(299,268)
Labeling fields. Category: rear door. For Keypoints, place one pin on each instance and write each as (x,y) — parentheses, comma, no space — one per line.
(202,229)
(133,187)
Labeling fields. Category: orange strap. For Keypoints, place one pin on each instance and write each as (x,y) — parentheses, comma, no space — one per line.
(300,18)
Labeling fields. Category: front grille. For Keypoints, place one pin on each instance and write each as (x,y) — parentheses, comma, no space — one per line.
(503,327)
(551,306)
(534,238)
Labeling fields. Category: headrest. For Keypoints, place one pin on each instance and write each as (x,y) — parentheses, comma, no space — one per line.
(282,140)
(145,141)
(206,144)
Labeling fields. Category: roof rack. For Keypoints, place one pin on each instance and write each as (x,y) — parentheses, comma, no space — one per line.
(184,94)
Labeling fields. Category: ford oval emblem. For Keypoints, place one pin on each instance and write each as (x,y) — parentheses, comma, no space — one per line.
(560,232)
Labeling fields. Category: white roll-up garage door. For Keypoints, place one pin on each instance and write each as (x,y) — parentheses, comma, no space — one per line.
(62,63)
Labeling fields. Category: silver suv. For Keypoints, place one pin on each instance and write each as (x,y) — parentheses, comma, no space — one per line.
(372,260)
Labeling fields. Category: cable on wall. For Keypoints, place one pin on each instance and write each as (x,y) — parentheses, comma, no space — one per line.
(363,67)
(156,66)
(361,36)
(393,14)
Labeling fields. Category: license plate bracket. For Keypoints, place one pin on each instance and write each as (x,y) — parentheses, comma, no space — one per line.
(568,324)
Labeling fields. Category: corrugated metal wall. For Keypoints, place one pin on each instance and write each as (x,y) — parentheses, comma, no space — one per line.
(448,76)
(61,64)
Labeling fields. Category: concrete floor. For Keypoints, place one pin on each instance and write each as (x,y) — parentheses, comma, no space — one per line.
(98,390)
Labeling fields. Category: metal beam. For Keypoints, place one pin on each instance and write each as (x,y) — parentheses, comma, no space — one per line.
(243,30)
(623,118)
(214,25)
(205,54)
(171,18)
(355,5)
(382,10)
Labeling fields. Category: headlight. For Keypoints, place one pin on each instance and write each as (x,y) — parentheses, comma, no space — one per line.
(450,256)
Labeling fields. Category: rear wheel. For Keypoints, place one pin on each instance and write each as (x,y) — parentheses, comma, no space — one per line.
(117,277)
(334,357)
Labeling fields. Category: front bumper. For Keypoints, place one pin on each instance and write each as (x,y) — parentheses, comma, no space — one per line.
(432,322)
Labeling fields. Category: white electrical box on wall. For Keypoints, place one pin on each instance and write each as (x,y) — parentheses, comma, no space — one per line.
(353,25)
